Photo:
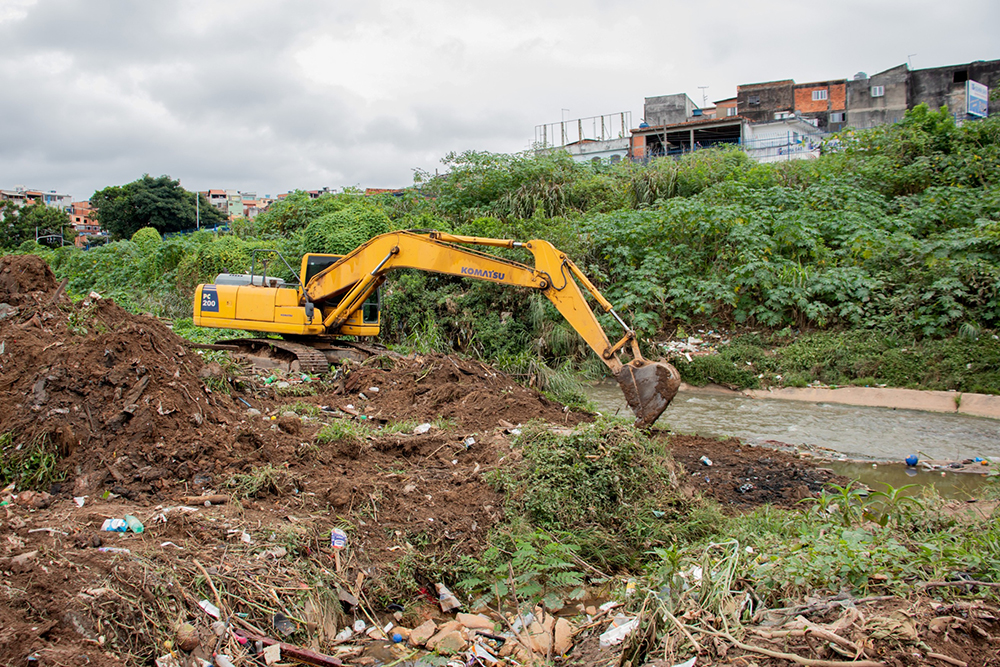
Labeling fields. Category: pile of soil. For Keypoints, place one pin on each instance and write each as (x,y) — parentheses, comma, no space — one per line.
(437,386)
(113,394)
(743,476)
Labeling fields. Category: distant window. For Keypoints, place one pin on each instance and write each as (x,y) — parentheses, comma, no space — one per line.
(819,95)
(961,76)
(615,159)
(837,117)
(753,99)
(878,91)
(730,111)
(782,115)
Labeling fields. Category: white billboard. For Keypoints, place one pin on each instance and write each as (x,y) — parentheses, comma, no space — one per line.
(976,99)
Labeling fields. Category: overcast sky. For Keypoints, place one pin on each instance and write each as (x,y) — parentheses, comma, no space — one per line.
(270,96)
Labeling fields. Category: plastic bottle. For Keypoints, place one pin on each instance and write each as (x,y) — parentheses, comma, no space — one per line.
(133,523)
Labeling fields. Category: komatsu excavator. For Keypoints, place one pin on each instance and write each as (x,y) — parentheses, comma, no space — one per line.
(334,298)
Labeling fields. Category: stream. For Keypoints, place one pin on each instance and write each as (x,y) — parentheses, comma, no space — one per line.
(879,434)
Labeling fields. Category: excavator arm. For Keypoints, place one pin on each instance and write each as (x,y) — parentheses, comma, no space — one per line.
(648,386)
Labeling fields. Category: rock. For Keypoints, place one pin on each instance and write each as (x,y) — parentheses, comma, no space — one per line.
(443,631)
(420,634)
(253,412)
(475,621)
(563,640)
(539,639)
(453,642)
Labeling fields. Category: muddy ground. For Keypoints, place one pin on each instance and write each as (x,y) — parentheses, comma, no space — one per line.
(135,422)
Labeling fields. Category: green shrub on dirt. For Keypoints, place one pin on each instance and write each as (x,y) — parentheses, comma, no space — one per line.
(595,500)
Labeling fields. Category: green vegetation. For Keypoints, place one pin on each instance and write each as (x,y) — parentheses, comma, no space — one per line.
(603,504)
(160,203)
(18,226)
(30,466)
(882,256)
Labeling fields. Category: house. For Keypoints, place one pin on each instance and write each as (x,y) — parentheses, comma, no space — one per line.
(877,100)
(676,138)
(19,196)
(669,109)
(762,102)
(823,103)
(84,221)
(781,140)
(218,199)
(949,86)
(725,108)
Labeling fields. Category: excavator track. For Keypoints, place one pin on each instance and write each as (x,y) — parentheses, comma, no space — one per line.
(310,360)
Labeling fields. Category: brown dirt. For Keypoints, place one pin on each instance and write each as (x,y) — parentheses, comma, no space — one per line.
(123,404)
(743,476)
(436,386)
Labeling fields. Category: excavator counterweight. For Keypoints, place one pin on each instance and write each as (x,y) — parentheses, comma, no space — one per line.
(334,298)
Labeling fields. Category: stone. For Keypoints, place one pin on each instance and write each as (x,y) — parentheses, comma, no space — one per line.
(563,640)
(475,621)
(539,639)
(453,642)
(420,634)
(443,630)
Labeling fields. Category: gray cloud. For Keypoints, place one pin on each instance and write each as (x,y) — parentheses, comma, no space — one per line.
(270,96)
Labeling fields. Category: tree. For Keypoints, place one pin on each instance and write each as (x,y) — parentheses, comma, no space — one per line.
(18,225)
(160,203)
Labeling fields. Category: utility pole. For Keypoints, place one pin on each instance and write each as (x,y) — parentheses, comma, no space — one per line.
(197,209)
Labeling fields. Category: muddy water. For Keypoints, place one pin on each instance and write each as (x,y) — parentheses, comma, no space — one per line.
(883,434)
(879,433)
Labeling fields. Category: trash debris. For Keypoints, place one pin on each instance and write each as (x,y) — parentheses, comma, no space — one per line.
(79,500)
(114,550)
(338,538)
(620,628)
(421,429)
(133,524)
(446,599)
(209,608)
(283,624)
(114,526)
(705,461)
(912,460)
(272,654)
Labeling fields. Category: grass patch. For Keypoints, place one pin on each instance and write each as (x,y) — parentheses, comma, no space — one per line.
(28,466)
(261,481)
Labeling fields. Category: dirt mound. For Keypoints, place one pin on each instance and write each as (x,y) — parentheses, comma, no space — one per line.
(742,476)
(436,386)
(108,393)
(24,275)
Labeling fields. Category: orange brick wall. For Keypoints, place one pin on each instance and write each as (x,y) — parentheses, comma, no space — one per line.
(638,145)
(837,94)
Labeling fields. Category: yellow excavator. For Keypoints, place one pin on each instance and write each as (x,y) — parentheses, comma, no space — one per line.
(336,296)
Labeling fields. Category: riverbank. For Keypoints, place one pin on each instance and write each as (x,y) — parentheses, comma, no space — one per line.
(977,405)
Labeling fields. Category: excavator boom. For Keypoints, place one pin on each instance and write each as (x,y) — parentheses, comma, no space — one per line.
(329,301)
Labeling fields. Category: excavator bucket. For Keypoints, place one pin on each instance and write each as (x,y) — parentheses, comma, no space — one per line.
(649,386)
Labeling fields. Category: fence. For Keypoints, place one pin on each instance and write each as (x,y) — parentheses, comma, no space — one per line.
(594,128)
